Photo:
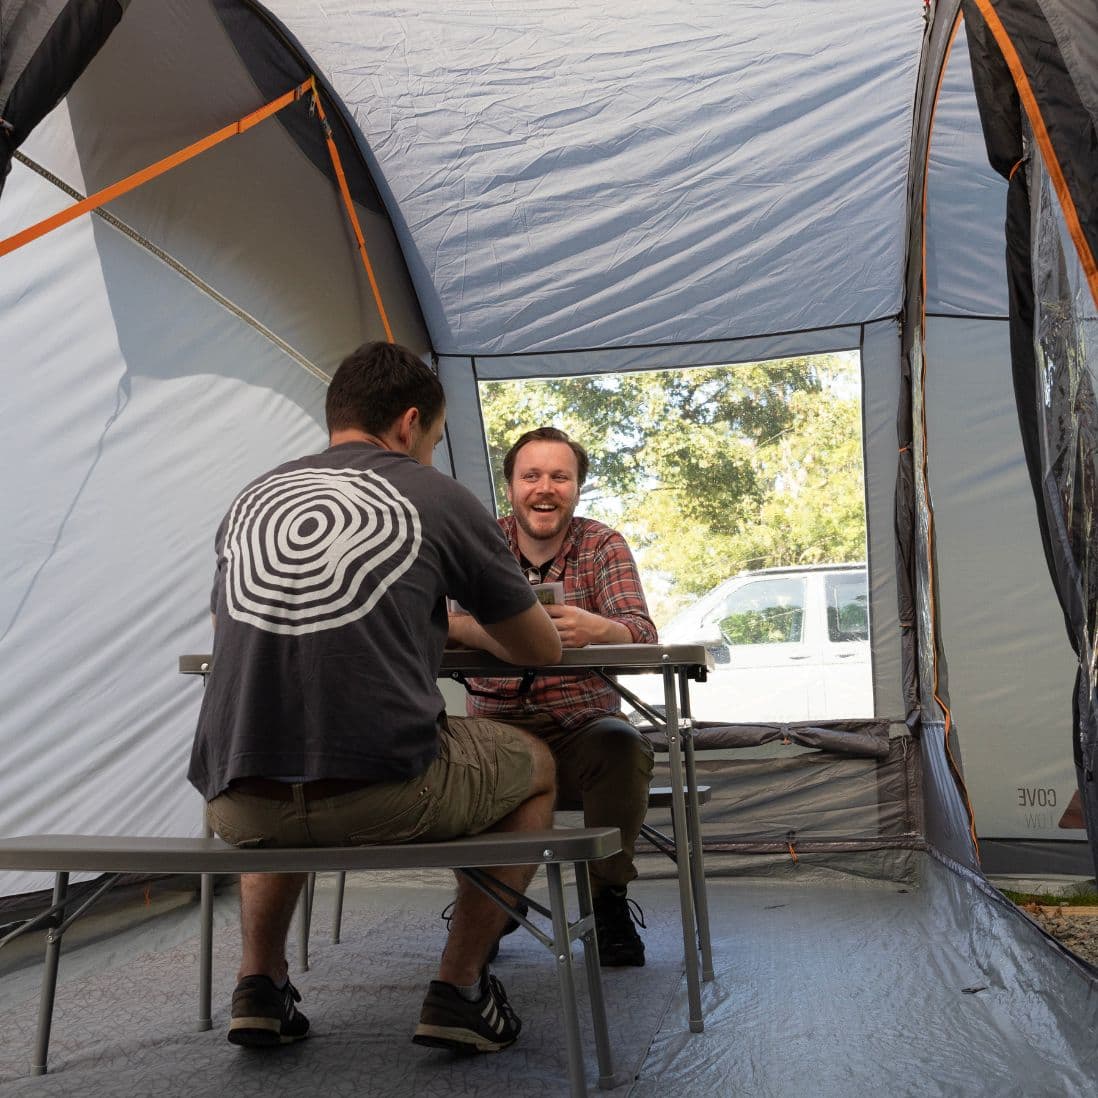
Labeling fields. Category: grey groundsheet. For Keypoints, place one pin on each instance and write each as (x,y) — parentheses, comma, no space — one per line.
(824,986)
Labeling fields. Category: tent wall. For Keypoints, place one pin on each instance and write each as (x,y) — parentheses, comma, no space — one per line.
(880,396)
(966,203)
(169,75)
(154,361)
(133,410)
(1009,663)
(1011,667)
(1038,101)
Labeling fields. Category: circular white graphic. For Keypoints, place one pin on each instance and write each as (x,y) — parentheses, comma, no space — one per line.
(314,549)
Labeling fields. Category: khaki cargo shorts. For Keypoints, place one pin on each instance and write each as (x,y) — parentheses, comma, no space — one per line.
(482,773)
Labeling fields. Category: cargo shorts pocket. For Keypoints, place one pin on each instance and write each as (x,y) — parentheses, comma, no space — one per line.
(392,815)
(235,833)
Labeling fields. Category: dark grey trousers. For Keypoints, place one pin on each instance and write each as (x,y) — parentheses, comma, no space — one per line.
(605,766)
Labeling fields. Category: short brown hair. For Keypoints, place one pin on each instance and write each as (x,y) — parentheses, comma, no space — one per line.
(376,384)
(545,434)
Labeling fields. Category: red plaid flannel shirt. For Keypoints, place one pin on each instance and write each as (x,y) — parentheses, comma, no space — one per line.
(600,575)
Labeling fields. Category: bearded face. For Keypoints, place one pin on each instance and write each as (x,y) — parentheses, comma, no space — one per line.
(544,489)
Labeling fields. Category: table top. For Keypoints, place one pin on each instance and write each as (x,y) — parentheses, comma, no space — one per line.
(614,659)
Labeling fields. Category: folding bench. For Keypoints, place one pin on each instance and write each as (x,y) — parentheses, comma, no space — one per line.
(116,855)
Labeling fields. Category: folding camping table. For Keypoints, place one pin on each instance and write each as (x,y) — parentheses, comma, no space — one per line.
(679,664)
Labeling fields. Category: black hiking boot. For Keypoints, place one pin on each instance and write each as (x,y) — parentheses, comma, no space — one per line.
(449,1020)
(619,943)
(264,1015)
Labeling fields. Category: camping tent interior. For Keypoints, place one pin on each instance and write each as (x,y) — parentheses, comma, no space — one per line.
(557,191)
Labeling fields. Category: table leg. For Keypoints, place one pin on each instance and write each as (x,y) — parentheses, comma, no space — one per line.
(697,851)
(682,855)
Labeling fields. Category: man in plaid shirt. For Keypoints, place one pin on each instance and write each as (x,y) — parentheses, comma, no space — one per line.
(602,761)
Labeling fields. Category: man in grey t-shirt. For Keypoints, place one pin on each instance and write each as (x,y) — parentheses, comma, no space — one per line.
(322,722)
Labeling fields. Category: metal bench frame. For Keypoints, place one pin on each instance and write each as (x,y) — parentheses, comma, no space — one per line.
(658,797)
(116,855)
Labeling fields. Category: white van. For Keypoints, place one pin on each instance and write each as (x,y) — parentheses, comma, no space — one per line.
(788,644)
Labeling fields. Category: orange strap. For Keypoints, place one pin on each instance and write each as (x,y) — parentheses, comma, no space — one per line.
(349,205)
(93,202)
(1044,142)
(122,187)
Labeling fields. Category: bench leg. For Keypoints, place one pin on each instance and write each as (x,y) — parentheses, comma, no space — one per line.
(337,914)
(305,921)
(562,950)
(607,1081)
(49,977)
(205,953)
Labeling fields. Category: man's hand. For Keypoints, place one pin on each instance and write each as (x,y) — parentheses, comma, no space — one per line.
(526,638)
(579,628)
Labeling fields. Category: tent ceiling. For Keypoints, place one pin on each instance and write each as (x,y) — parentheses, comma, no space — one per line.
(572,176)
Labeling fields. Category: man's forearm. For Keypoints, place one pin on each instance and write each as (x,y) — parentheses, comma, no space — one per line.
(467,632)
(612,632)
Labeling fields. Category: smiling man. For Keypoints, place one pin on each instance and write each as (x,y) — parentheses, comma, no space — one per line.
(602,761)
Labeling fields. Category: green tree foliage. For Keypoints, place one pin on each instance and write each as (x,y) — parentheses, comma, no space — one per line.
(709,471)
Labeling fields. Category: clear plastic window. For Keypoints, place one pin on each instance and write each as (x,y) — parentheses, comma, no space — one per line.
(767,611)
(847,607)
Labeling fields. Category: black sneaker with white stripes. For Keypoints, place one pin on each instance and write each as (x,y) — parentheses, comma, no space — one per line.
(449,1020)
(264,1014)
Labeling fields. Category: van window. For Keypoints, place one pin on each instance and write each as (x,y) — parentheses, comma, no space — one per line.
(847,606)
(765,611)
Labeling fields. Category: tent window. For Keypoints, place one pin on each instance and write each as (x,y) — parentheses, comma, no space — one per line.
(714,473)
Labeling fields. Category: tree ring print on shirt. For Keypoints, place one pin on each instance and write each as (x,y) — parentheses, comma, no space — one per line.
(314,549)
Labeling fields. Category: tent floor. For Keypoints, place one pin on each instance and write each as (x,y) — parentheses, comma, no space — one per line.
(826,987)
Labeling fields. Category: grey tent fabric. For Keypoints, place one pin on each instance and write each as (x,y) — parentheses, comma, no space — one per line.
(966,270)
(571,191)
(607,177)
(1036,101)
(44,46)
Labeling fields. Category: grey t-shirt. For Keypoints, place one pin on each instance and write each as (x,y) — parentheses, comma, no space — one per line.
(330,596)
